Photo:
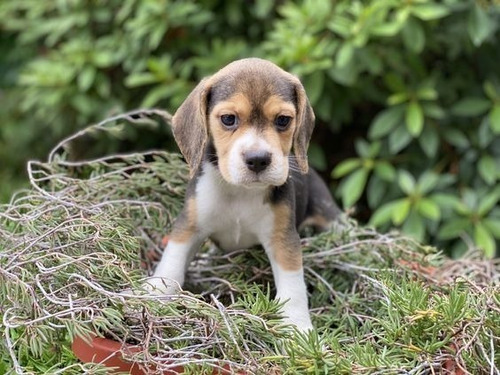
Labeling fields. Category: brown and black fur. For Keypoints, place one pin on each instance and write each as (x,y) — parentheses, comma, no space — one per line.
(257,167)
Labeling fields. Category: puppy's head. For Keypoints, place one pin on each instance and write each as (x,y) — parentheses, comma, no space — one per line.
(257,117)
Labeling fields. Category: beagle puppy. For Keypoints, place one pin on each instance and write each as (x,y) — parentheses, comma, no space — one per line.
(244,133)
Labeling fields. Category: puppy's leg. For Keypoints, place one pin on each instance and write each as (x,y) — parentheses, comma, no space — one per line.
(285,255)
(169,275)
(322,212)
(183,243)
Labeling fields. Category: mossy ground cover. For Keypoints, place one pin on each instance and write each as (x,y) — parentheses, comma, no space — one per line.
(87,230)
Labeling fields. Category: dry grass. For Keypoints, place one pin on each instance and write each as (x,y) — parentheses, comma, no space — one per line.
(382,303)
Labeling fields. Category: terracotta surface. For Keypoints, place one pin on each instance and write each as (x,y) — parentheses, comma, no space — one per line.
(107,352)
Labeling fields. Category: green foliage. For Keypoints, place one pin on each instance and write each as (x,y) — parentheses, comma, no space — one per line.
(421,80)
(416,81)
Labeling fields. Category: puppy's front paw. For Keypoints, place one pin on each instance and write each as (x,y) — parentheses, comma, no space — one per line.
(296,313)
(161,286)
(301,321)
(154,286)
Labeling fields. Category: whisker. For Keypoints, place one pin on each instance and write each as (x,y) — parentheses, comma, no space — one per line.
(294,168)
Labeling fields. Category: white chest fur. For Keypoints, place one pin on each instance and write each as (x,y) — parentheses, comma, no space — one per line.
(233,216)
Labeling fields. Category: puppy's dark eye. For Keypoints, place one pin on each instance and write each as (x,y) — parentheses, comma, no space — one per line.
(282,122)
(228,121)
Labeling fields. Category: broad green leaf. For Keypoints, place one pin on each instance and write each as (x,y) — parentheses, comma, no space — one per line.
(345,55)
(375,148)
(406,182)
(456,138)
(353,187)
(346,167)
(495,119)
(414,226)
(140,79)
(429,209)
(394,82)
(383,214)
(385,121)
(487,168)
(479,25)
(340,25)
(385,171)
(446,180)
(346,75)
(386,29)
(364,149)
(484,134)
(156,94)
(490,91)
(403,14)
(375,191)
(430,11)
(86,78)
(413,35)
(263,8)
(487,203)
(484,239)
(102,86)
(470,198)
(83,103)
(160,67)
(397,98)
(445,200)
(429,141)
(463,209)
(400,211)
(414,118)
(314,84)
(427,93)
(104,58)
(399,139)
(453,229)
(433,110)
(427,181)
(493,226)
(369,58)
(470,107)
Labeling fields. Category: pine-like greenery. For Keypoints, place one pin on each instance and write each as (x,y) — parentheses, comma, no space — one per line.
(381,303)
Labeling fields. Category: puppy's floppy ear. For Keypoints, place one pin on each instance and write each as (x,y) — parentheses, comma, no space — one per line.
(305,126)
(190,125)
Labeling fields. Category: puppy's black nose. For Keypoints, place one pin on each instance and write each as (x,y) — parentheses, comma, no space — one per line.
(257,161)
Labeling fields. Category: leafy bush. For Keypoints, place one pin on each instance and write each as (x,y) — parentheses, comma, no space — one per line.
(413,85)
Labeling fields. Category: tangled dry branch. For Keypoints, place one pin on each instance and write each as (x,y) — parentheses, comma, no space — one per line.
(87,230)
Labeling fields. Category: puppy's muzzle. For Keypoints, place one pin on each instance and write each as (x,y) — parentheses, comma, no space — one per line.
(257,161)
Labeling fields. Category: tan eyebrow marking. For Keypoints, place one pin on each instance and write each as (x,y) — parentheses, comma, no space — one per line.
(237,104)
(275,106)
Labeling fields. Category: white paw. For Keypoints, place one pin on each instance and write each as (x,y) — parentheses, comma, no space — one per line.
(161,286)
(154,286)
(299,317)
(303,324)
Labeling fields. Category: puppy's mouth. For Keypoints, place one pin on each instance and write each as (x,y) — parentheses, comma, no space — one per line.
(258,180)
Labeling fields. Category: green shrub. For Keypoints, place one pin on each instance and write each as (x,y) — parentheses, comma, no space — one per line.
(413,85)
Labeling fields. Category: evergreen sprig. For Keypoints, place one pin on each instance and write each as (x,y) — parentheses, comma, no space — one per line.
(70,246)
